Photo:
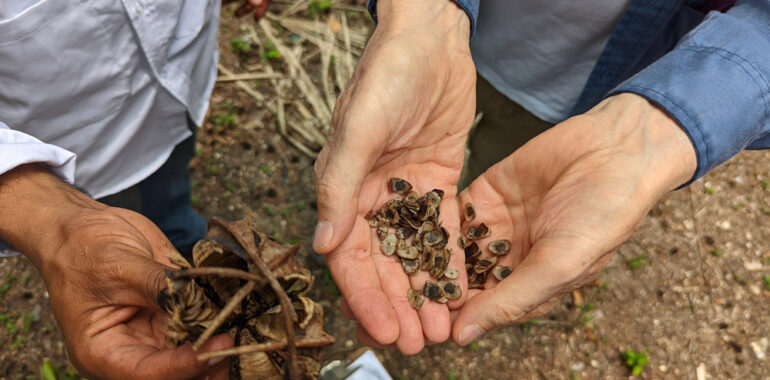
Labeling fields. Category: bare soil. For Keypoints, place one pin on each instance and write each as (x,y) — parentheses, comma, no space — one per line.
(687,289)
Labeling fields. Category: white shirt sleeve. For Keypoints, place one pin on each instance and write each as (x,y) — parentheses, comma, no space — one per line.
(17,148)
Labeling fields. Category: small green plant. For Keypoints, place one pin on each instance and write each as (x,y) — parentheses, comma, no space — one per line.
(636,361)
(637,262)
(588,306)
(6,287)
(212,169)
(717,252)
(331,286)
(708,190)
(239,46)
(766,281)
(224,119)
(269,51)
(285,211)
(475,345)
(528,324)
(318,6)
(737,206)
(765,183)
(51,372)
(269,210)
(195,201)
(300,205)
(265,169)
(18,343)
(586,319)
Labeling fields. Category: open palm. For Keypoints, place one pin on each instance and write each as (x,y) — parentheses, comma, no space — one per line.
(406,114)
(566,200)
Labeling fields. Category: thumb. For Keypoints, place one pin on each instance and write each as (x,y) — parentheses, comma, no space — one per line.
(341,168)
(532,288)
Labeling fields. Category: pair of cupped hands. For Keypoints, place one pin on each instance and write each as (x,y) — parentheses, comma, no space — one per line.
(565,200)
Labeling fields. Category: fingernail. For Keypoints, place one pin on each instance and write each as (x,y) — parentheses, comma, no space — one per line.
(214,361)
(323,235)
(469,334)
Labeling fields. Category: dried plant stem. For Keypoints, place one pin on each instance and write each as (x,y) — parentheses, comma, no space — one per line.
(261,347)
(224,314)
(254,76)
(289,315)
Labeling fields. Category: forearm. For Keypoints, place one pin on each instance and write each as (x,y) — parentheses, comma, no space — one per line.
(34,203)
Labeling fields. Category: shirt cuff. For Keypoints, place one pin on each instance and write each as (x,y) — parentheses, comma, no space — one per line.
(713,85)
(18,148)
(471,7)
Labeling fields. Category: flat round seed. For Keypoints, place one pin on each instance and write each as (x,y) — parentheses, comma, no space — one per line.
(485,265)
(451,273)
(472,252)
(411,266)
(500,272)
(451,289)
(388,245)
(410,253)
(431,238)
(469,213)
(399,186)
(416,299)
(462,242)
(499,247)
(479,232)
(432,291)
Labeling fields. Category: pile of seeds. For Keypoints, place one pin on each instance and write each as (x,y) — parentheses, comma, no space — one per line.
(476,267)
(409,229)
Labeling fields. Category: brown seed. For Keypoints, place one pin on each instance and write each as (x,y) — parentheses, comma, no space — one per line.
(443,299)
(485,265)
(500,272)
(388,244)
(434,200)
(451,273)
(427,258)
(476,285)
(444,234)
(462,241)
(431,238)
(415,298)
(403,233)
(411,266)
(451,289)
(410,253)
(472,252)
(469,213)
(382,232)
(479,232)
(432,291)
(499,247)
(399,186)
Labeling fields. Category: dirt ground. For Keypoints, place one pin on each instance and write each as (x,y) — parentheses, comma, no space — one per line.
(690,290)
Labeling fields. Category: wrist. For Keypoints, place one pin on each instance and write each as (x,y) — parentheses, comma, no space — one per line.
(35,204)
(443,17)
(643,129)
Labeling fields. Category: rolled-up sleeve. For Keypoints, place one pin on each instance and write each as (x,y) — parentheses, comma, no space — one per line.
(471,7)
(715,83)
(17,148)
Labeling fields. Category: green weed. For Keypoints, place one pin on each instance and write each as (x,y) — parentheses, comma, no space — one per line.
(636,361)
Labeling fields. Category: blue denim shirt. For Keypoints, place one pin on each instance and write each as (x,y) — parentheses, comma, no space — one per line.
(709,72)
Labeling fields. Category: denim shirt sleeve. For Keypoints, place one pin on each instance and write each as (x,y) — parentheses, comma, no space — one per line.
(715,83)
(471,7)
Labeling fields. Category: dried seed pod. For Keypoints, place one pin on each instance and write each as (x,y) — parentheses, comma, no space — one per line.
(439,192)
(410,253)
(411,267)
(372,219)
(472,252)
(451,289)
(426,227)
(484,265)
(499,247)
(399,186)
(462,242)
(479,232)
(469,213)
(442,299)
(415,298)
(451,273)
(388,244)
(500,272)
(432,291)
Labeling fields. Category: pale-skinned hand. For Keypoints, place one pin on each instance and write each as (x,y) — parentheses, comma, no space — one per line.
(406,113)
(566,200)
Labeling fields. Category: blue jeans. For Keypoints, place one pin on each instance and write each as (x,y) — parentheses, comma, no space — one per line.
(164,198)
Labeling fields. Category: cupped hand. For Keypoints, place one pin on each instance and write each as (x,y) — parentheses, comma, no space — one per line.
(405,113)
(103,290)
(566,200)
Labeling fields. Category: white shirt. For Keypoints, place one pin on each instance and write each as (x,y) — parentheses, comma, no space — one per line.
(540,53)
(109,81)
